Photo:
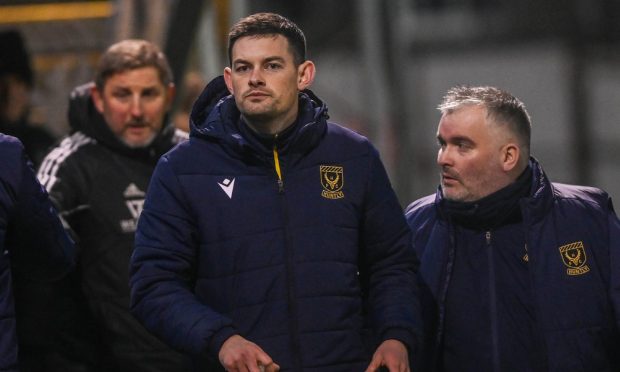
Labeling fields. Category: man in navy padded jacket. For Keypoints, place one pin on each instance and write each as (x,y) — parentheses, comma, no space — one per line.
(272,239)
(33,242)
(517,273)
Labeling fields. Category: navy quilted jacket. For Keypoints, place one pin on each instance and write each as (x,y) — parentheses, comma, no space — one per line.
(315,265)
(573,244)
(32,239)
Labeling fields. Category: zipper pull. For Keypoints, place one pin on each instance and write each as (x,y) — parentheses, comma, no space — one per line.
(488,237)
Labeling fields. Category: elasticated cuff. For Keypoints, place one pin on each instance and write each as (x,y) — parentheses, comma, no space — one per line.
(402,335)
(218,339)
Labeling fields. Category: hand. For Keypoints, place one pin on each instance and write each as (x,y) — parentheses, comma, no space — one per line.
(391,354)
(240,355)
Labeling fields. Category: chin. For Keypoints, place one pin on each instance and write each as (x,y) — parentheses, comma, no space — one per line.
(138,144)
(258,115)
(454,196)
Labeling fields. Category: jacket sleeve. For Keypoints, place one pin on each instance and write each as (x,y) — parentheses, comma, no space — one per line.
(388,263)
(63,175)
(39,246)
(163,272)
(614,253)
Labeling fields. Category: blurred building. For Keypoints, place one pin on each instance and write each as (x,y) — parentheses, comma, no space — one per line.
(383,66)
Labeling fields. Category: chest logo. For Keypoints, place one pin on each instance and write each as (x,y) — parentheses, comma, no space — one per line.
(228,186)
(134,200)
(574,258)
(332,180)
(132,191)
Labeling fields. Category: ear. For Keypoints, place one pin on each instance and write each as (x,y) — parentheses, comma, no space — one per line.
(228,79)
(97,98)
(305,75)
(511,154)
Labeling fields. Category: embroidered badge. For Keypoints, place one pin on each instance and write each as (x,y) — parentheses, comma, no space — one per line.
(332,180)
(574,257)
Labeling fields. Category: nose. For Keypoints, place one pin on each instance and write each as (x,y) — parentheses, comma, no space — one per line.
(256,77)
(444,157)
(136,106)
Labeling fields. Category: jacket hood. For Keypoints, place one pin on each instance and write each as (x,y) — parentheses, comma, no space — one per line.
(542,194)
(215,117)
(84,117)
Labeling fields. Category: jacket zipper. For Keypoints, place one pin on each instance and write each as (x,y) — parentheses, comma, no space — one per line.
(493,304)
(292,305)
(276,161)
(442,301)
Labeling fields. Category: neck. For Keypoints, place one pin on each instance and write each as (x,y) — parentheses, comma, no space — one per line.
(517,172)
(269,128)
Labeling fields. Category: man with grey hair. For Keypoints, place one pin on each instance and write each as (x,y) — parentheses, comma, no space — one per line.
(97,177)
(517,273)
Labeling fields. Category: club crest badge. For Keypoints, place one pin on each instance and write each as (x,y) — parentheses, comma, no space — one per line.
(332,180)
(574,257)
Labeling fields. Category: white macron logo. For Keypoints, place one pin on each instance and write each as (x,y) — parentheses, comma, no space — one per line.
(228,185)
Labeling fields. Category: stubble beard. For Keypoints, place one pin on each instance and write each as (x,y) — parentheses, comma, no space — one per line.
(142,144)
(259,118)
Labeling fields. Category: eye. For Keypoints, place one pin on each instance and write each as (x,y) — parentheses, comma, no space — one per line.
(273,66)
(241,68)
(121,94)
(463,145)
(150,93)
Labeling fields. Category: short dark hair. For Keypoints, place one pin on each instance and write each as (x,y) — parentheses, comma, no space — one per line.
(502,107)
(265,24)
(132,54)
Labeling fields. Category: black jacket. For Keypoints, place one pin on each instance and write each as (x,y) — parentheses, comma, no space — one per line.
(99,184)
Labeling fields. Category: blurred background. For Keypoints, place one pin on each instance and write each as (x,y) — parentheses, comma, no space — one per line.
(383,67)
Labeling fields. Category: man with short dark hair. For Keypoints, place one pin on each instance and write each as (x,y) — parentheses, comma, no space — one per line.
(517,273)
(273,239)
(98,177)
(17,82)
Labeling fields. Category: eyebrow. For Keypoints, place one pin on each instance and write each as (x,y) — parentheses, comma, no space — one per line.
(455,139)
(274,58)
(129,88)
(268,59)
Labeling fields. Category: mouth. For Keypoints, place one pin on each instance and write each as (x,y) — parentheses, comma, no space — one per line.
(448,179)
(256,94)
(137,127)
